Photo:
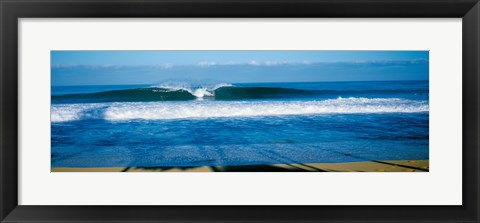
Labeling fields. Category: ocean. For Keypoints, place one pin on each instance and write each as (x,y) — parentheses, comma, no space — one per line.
(185,124)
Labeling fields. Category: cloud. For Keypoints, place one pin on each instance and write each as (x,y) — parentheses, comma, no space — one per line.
(112,66)
(244,63)
(250,63)
(65,65)
(164,66)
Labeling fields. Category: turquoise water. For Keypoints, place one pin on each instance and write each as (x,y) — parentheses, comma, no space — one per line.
(185,124)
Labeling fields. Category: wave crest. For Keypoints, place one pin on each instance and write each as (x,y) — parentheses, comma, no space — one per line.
(185,91)
(198,90)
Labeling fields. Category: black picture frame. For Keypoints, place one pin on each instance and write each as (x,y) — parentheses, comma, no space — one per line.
(12,10)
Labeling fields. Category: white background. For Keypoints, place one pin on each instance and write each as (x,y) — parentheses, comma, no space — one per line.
(441,186)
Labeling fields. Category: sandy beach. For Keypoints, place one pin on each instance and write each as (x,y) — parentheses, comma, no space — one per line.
(370,166)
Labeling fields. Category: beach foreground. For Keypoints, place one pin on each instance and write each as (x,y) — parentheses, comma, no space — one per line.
(369,166)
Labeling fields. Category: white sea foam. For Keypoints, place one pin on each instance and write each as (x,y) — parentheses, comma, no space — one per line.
(216,109)
(199,90)
(74,112)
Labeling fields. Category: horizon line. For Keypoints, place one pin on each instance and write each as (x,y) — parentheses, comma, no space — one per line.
(265,82)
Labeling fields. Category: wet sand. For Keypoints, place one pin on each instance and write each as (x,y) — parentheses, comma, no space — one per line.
(369,166)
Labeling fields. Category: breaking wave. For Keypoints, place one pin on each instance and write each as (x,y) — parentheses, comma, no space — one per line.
(184,92)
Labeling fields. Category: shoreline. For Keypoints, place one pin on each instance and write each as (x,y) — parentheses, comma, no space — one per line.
(365,166)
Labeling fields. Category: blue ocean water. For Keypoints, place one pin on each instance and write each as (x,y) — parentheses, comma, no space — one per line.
(198,124)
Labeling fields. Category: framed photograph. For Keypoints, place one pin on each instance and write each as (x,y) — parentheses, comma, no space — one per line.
(227,111)
(249,111)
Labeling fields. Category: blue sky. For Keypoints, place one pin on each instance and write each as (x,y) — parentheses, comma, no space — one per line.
(150,67)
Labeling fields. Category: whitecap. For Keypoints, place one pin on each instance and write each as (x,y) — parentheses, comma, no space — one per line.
(221,109)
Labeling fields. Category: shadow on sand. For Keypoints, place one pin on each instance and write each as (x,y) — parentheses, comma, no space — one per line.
(285,165)
(246,168)
(266,168)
